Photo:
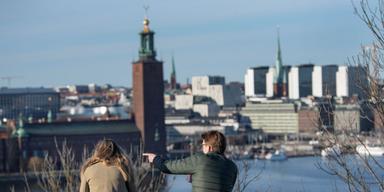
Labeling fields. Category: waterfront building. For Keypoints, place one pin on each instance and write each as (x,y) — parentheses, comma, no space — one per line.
(148,94)
(285,117)
(308,120)
(29,103)
(273,117)
(316,114)
(352,118)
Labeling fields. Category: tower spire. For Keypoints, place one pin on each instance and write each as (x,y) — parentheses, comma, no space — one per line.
(147,48)
(173,74)
(280,78)
(279,62)
(146,20)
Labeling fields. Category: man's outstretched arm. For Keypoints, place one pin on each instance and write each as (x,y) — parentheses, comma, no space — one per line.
(181,166)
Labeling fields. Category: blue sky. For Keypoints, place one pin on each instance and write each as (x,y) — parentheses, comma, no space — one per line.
(54,43)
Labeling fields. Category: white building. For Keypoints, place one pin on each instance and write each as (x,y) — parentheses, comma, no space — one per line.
(349,80)
(352,118)
(207,109)
(215,88)
(273,117)
(200,84)
(269,81)
(255,81)
(308,80)
(317,80)
(300,81)
(250,83)
(324,80)
(183,102)
(293,85)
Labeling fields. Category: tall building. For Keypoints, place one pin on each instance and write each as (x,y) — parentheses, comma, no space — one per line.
(351,80)
(324,80)
(300,81)
(148,89)
(269,80)
(255,81)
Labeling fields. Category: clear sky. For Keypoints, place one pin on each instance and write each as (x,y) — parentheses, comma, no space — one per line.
(54,43)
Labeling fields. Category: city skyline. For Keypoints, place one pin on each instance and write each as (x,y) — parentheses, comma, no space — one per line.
(46,43)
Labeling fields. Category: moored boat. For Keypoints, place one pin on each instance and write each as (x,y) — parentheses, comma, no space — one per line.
(373,150)
(331,151)
(278,155)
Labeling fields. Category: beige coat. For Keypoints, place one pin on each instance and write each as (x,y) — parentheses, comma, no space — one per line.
(102,178)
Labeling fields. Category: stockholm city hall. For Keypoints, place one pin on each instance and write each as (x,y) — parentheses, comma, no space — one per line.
(148,94)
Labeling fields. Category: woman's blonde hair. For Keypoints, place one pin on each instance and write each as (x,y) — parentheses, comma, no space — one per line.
(108,152)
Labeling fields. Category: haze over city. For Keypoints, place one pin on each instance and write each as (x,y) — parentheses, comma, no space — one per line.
(45,43)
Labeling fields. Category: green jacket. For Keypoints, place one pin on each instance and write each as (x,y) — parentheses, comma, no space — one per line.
(210,172)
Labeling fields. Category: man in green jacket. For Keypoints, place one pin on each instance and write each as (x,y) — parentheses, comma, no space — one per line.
(211,170)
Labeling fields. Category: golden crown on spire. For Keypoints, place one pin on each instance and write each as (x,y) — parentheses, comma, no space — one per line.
(146,25)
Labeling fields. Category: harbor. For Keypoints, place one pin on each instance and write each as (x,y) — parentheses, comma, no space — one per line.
(294,174)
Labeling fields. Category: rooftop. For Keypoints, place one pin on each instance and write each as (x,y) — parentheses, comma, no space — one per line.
(81,128)
(5,90)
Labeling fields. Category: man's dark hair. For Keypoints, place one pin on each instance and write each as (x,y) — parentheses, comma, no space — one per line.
(216,140)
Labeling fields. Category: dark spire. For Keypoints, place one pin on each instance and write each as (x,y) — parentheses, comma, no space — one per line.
(173,74)
(279,63)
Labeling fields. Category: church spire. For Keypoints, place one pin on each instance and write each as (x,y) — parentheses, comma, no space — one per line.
(279,63)
(173,74)
(147,48)
(280,79)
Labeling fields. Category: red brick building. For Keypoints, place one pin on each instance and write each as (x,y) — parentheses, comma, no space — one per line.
(38,140)
(148,94)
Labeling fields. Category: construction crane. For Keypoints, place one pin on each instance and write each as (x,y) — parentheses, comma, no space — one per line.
(9,79)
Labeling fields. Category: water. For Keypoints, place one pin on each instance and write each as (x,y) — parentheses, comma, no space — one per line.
(294,174)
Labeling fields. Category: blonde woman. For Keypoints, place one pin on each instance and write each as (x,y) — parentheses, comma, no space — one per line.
(107,170)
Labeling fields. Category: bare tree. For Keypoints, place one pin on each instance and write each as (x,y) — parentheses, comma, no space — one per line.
(61,173)
(244,177)
(51,178)
(362,172)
